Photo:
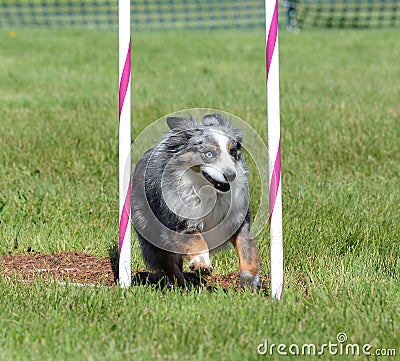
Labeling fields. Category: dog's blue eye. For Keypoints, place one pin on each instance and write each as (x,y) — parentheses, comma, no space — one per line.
(208,154)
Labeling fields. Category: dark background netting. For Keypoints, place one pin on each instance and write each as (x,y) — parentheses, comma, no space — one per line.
(199,14)
(348,13)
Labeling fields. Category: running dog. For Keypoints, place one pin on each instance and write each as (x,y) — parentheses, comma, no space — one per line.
(190,197)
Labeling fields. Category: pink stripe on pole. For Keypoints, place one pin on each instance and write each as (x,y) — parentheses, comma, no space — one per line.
(272,36)
(275,180)
(125,215)
(124,82)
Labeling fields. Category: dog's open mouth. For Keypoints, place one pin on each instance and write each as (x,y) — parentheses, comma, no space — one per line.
(221,186)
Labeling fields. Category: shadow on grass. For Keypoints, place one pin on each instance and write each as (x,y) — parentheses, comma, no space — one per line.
(212,283)
(113,256)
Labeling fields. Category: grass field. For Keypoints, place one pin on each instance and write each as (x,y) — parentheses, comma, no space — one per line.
(340,100)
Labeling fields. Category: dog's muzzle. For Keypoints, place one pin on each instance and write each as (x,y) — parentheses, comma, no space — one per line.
(221,186)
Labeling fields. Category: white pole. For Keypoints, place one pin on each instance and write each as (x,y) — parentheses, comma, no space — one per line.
(274,147)
(124,142)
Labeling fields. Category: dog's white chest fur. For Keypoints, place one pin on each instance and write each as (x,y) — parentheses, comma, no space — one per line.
(197,202)
(204,208)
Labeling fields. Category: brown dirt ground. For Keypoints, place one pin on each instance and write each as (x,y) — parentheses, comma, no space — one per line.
(85,269)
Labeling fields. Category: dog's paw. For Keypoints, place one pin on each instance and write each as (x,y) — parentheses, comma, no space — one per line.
(248,280)
(201,263)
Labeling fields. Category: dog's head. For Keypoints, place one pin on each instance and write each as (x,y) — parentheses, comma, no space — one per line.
(210,149)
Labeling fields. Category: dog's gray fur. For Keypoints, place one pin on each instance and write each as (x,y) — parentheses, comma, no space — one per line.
(174,205)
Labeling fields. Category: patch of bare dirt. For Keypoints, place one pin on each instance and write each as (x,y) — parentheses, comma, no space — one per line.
(85,269)
(68,266)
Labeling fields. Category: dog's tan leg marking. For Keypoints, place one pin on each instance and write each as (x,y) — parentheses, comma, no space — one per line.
(247,252)
(197,252)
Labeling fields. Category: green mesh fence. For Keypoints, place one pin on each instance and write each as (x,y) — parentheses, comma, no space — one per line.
(198,14)
(146,15)
(348,13)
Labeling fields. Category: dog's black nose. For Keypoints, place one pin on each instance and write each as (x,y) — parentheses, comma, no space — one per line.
(230,175)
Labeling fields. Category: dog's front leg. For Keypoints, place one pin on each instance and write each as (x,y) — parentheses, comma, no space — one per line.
(197,252)
(247,251)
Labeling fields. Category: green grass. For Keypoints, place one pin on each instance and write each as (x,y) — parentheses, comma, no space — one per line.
(341,165)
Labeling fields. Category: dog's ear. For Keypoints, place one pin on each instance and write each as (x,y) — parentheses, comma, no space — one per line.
(178,124)
(212,120)
(218,120)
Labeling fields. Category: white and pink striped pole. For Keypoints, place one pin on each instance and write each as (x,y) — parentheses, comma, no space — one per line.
(274,148)
(124,24)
